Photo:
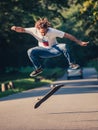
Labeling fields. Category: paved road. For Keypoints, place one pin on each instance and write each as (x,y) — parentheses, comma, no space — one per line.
(73,107)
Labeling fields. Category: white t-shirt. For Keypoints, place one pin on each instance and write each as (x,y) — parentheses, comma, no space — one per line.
(49,39)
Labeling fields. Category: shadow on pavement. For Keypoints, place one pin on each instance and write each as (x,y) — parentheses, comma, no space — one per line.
(76,112)
(70,87)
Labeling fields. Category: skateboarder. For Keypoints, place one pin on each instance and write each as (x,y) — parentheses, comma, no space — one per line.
(48,46)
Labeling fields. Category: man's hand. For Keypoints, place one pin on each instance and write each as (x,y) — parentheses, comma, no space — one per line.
(17,29)
(13,28)
(84,43)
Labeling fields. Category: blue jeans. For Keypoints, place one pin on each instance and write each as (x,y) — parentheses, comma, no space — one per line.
(39,52)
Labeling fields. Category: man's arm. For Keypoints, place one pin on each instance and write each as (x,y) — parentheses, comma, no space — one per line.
(72,38)
(18,29)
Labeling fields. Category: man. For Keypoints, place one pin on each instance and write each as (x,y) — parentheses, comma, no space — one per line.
(48,46)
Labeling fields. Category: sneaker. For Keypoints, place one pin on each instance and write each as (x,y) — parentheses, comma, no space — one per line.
(74,66)
(36,72)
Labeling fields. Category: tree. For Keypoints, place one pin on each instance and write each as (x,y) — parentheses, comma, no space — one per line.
(13,46)
(89,14)
(24,13)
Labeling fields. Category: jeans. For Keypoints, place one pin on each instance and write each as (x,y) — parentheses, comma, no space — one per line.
(39,52)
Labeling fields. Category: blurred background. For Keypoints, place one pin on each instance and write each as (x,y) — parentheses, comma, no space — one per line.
(78,17)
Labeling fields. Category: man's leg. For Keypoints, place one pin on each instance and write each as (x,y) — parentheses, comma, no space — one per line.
(39,52)
(63,49)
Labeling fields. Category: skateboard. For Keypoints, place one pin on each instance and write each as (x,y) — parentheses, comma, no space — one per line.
(49,94)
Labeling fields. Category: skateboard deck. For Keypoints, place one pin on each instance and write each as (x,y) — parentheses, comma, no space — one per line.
(50,93)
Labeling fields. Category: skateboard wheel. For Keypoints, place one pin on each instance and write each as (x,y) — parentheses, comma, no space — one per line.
(52,85)
(39,98)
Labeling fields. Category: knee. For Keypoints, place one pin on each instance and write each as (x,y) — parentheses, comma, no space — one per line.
(32,52)
(62,46)
(29,52)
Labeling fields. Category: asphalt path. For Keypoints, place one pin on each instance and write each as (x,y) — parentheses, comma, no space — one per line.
(72,107)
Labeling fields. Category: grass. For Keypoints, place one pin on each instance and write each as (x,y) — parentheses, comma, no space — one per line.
(23,82)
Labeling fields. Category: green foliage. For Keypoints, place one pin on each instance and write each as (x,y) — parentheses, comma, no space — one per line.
(89,16)
(93,63)
(78,17)
(53,73)
(23,70)
(14,46)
